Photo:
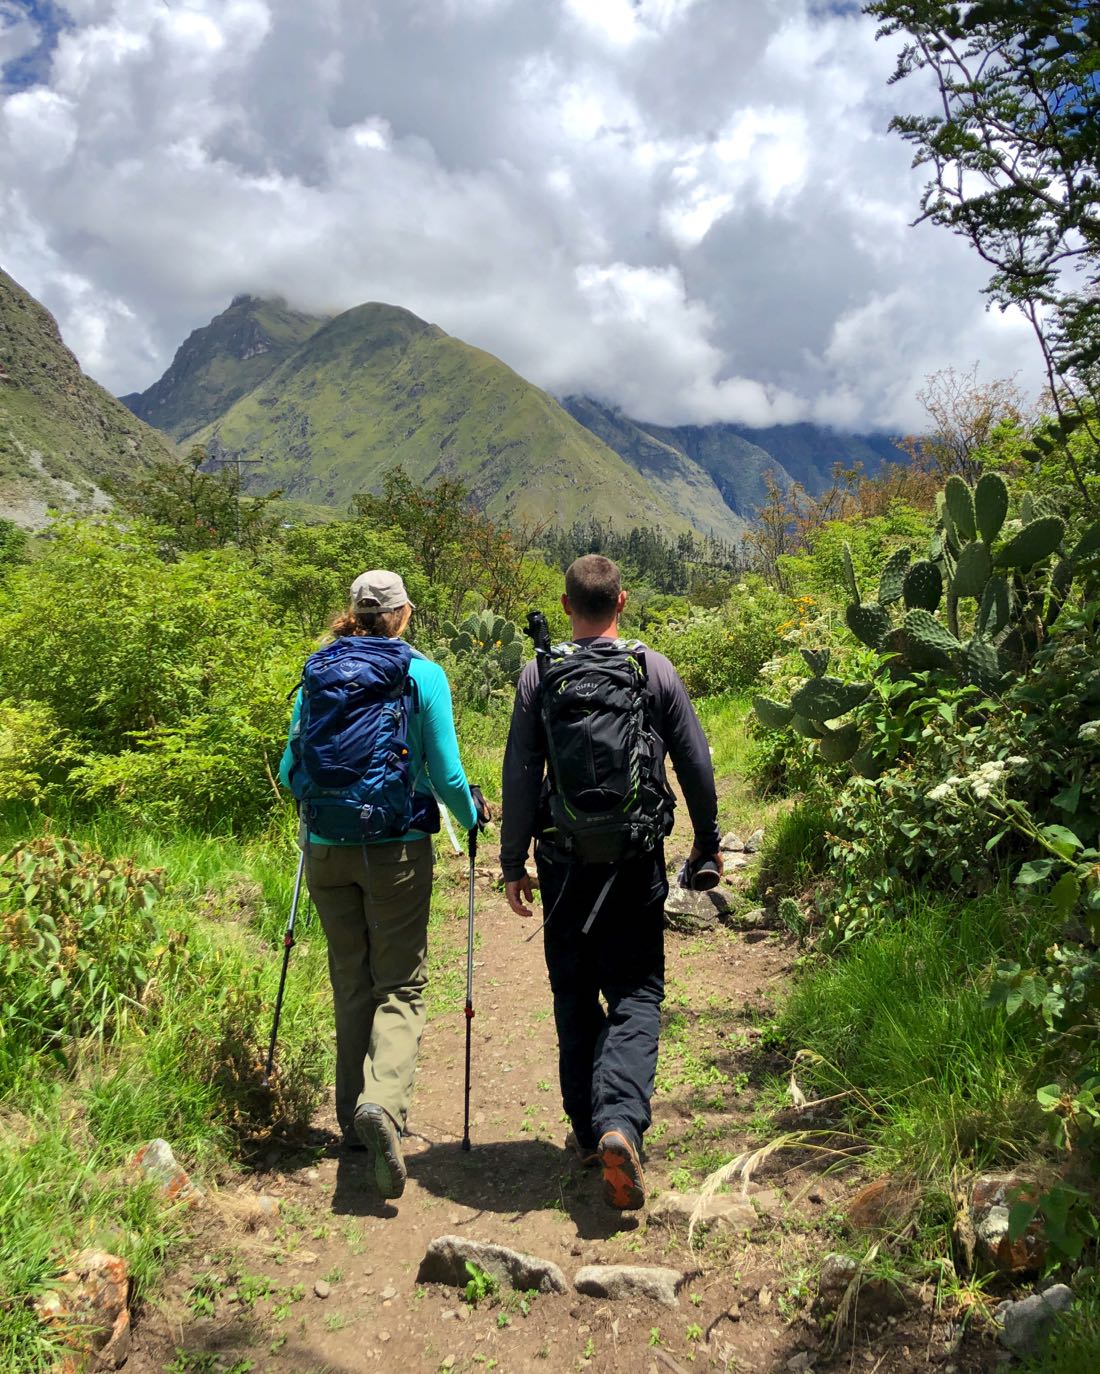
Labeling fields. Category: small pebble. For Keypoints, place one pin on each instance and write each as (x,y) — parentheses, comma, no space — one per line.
(388,1292)
(322,1289)
(383,1336)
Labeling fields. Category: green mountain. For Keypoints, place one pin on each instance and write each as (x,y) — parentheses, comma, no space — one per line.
(376,387)
(221,362)
(64,441)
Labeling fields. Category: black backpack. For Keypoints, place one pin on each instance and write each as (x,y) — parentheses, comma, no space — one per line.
(607,797)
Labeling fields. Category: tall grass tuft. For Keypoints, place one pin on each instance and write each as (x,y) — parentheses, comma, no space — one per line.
(902,1018)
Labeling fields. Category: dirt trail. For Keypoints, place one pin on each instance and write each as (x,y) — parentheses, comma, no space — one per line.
(331,1285)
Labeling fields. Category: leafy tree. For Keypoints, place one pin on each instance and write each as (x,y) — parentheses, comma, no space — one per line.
(456,547)
(194,509)
(13,544)
(1013,152)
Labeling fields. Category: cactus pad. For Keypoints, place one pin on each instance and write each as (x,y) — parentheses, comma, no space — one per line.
(850,575)
(994,610)
(825,698)
(806,728)
(817,660)
(838,746)
(958,502)
(1036,541)
(972,570)
(983,668)
(923,586)
(990,505)
(930,645)
(868,623)
(893,576)
(772,714)
(1089,543)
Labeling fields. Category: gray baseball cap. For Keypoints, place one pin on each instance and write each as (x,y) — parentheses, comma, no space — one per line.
(379,590)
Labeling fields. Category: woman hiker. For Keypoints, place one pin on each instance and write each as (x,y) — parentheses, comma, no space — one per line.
(367,798)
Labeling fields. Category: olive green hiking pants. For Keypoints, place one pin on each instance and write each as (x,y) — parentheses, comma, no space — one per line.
(373,905)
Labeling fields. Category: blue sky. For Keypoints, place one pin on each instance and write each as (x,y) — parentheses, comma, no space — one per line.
(32,65)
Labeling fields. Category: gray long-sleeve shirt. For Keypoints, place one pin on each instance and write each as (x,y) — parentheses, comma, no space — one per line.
(680,736)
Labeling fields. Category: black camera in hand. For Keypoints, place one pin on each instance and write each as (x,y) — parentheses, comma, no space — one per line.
(538,631)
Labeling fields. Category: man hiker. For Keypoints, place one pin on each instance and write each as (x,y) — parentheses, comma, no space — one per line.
(584,776)
(372,744)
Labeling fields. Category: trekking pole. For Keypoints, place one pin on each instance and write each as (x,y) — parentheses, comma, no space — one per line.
(471,843)
(288,945)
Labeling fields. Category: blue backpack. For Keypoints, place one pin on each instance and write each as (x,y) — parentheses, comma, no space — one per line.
(351,772)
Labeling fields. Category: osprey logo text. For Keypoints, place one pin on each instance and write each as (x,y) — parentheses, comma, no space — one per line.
(586,687)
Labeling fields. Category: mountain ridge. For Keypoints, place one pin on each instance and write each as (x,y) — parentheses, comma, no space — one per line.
(65,442)
(331,403)
(376,387)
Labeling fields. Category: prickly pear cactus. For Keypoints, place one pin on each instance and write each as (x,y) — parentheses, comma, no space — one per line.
(493,643)
(923,586)
(975,609)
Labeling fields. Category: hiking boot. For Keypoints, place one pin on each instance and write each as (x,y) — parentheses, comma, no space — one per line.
(586,1155)
(623,1184)
(377,1130)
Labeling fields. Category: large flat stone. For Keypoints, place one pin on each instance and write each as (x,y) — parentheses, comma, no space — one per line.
(1028,1323)
(629,1281)
(718,1211)
(691,911)
(447,1256)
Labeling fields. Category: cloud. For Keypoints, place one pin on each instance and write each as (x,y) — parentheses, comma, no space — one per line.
(690,208)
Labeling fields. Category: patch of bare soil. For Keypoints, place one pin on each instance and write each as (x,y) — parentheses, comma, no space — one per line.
(331,1283)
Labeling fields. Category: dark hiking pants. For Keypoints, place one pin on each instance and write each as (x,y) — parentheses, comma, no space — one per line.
(607,1060)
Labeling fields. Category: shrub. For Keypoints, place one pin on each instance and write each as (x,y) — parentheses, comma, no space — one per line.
(721,650)
(33,752)
(77,942)
(167,680)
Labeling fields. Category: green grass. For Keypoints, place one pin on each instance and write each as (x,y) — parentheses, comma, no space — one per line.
(936,1077)
(794,849)
(186,1069)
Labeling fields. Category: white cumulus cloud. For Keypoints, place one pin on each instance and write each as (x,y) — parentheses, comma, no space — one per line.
(689,208)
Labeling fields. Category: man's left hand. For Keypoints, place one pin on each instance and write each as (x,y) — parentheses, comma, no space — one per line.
(516,891)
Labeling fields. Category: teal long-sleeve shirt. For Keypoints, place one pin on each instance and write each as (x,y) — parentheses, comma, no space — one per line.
(433,747)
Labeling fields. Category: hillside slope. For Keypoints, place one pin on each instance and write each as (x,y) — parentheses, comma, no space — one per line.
(64,440)
(221,362)
(377,387)
(737,459)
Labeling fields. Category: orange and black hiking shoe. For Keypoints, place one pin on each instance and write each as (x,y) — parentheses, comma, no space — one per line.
(623,1185)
